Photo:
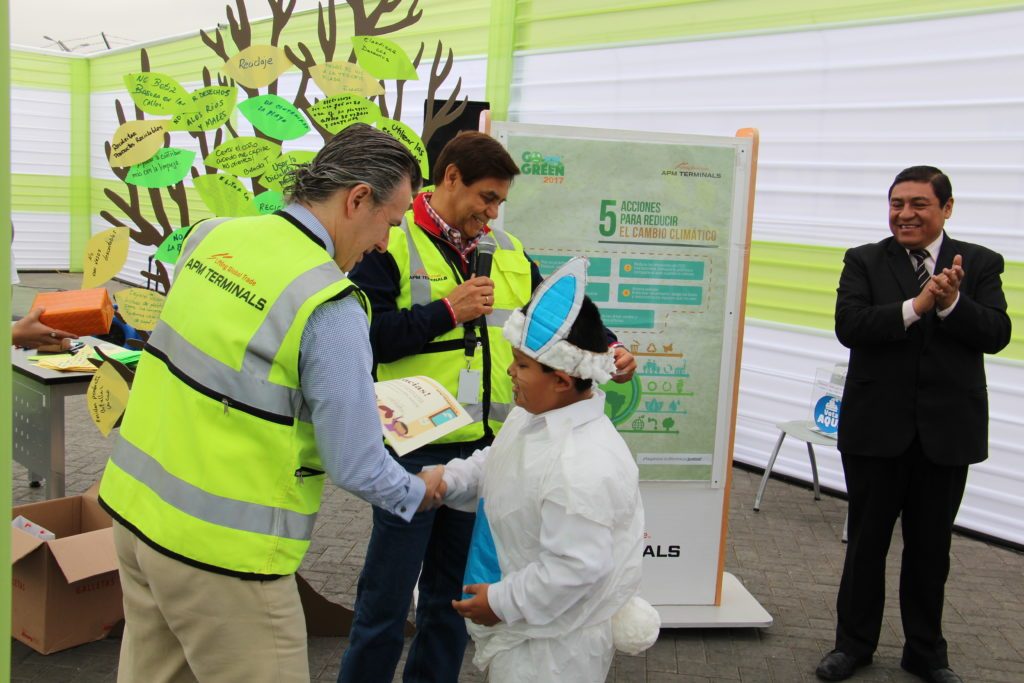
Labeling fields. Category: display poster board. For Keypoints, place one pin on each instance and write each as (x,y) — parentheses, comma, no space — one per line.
(664,221)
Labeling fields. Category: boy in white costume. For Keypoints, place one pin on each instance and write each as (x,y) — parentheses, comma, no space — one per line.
(557,545)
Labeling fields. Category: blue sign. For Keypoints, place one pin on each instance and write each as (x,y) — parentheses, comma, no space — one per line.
(826,415)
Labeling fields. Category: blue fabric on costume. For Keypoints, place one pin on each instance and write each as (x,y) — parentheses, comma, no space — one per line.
(482,564)
(548,316)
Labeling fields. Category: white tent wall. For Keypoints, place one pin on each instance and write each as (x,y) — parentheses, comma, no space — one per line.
(41,151)
(840,111)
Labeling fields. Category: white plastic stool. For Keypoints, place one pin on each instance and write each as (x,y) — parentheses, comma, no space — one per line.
(799,429)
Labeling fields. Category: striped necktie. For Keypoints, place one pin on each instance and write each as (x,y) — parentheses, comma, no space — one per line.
(921,273)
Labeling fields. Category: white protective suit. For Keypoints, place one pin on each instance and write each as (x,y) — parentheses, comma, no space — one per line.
(561,493)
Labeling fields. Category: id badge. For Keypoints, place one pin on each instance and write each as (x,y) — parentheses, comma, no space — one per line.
(469,386)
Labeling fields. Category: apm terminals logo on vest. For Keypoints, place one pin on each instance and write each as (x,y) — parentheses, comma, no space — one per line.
(548,166)
(230,279)
(422,274)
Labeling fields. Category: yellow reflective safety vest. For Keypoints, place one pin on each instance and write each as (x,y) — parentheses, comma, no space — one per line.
(425,276)
(217,464)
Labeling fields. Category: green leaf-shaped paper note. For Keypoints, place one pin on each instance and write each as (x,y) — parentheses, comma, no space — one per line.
(156,93)
(135,142)
(274,176)
(170,248)
(336,78)
(245,156)
(383,58)
(257,65)
(407,136)
(166,167)
(213,107)
(224,195)
(268,201)
(339,111)
(275,117)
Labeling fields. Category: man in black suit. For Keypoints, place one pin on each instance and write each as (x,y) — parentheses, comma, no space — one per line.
(917,311)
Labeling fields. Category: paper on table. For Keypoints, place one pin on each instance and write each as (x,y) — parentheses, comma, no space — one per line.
(79,361)
(415,411)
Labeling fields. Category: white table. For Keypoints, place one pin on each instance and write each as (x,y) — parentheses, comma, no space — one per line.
(799,429)
(37,422)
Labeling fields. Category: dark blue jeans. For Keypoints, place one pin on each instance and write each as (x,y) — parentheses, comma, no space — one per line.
(437,540)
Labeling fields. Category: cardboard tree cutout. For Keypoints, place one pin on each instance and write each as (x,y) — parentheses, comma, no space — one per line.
(237,174)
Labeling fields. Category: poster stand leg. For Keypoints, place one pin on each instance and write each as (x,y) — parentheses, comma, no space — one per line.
(738,608)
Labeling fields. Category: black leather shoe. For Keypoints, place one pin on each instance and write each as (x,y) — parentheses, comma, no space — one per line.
(838,666)
(943,675)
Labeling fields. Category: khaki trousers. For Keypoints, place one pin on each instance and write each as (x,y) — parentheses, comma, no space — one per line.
(188,624)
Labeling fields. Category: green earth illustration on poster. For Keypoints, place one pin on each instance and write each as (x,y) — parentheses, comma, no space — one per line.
(621,400)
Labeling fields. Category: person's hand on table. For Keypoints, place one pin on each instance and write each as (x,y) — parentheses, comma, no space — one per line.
(30,333)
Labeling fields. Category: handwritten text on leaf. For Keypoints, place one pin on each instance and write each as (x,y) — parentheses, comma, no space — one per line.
(135,142)
(105,254)
(167,167)
(156,93)
(274,177)
(339,111)
(244,156)
(383,58)
(407,136)
(275,117)
(224,195)
(336,78)
(170,248)
(257,66)
(213,107)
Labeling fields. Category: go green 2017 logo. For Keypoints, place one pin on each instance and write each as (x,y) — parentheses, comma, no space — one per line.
(548,166)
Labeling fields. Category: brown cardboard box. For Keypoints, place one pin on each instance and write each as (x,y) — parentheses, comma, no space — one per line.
(66,591)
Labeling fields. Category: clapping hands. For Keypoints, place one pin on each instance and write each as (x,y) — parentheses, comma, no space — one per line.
(942,289)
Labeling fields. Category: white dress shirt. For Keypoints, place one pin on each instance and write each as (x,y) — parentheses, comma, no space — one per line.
(335,363)
(909,315)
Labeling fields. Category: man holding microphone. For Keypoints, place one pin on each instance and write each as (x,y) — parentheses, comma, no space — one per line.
(440,296)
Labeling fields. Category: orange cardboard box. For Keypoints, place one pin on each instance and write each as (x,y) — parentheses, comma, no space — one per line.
(64,592)
(81,312)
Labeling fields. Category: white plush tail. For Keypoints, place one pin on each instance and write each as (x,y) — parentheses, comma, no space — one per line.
(635,626)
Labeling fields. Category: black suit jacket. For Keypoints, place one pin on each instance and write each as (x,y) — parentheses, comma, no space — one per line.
(929,379)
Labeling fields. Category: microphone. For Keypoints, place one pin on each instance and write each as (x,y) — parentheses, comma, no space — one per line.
(485,249)
(482,261)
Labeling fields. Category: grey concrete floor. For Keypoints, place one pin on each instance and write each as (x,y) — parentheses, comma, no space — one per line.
(788,555)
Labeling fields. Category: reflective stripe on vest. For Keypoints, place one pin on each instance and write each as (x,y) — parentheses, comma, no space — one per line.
(234,514)
(218,377)
(419,289)
(420,293)
(264,345)
(226,489)
(499,411)
(196,235)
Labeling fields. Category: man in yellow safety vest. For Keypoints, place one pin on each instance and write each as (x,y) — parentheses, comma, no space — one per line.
(256,380)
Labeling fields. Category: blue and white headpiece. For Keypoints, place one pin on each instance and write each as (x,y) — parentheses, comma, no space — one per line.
(540,333)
